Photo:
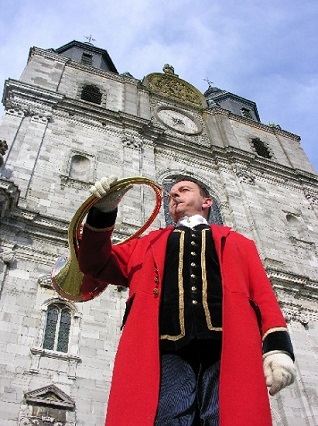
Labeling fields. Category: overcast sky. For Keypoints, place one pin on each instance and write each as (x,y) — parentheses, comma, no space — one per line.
(265,51)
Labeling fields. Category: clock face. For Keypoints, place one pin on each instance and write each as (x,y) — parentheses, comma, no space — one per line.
(178,121)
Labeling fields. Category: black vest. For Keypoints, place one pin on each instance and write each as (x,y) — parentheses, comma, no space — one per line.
(191,304)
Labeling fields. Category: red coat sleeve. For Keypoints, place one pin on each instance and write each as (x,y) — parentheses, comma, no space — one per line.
(273,326)
(101,262)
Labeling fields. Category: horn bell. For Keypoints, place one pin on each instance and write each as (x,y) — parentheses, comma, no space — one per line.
(66,276)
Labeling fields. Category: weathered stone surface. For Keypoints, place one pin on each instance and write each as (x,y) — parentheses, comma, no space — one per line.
(59,145)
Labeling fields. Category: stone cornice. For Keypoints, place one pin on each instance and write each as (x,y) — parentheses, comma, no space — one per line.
(31,99)
(224,94)
(47,53)
(33,254)
(298,285)
(297,296)
(51,54)
(239,161)
(98,116)
(101,73)
(265,169)
(25,96)
(37,225)
(217,110)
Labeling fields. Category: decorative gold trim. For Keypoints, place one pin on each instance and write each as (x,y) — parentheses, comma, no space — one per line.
(181,288)
(181,291)
(273,330)
(205,285)
(109,228)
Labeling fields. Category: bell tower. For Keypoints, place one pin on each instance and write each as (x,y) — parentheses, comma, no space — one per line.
(72,118)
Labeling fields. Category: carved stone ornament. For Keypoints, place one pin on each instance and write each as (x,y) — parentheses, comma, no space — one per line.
(47,406)
(130,141)
(45,281)
(50,395)
(245,176)
(312,198)
(168,69)
(3,147)
(7,256)
(169,85)
(296,314)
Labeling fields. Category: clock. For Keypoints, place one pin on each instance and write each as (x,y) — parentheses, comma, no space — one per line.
(179,121)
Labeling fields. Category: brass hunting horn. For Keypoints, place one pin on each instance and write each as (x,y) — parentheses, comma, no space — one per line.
(66,276)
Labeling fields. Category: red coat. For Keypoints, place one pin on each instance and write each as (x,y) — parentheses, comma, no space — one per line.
(139,264)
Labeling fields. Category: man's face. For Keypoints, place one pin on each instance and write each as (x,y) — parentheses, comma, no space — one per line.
(186,200)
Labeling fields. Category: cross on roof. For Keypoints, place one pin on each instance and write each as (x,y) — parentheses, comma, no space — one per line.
(208,81)
(90,38)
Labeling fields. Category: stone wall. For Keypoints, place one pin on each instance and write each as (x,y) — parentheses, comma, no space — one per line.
(58,145)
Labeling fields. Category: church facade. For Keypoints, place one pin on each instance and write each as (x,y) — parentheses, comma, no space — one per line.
(72,118)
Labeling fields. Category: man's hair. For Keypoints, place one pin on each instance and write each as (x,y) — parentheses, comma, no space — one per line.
(203,189)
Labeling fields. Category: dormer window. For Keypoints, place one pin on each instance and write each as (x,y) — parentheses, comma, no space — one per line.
(87,59)
(246,113)
(92,94)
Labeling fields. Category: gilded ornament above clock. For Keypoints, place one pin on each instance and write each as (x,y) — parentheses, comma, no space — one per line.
(179,121)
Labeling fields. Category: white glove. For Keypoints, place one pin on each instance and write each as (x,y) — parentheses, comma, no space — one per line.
(100,189)
(279,371)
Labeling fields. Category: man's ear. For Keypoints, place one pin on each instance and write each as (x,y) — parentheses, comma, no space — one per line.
(207,203)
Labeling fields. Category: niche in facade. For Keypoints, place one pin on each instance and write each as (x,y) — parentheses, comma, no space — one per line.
(297,228)
(79,167)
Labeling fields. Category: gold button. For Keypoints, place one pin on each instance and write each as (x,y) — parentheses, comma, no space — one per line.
(193,276)
(156,280)
(155,291)
(193,243)
(193,288)
(193,235)
(193,264)
(193,253)
(194,302)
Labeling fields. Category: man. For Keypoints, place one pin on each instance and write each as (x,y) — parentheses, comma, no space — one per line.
(203,332)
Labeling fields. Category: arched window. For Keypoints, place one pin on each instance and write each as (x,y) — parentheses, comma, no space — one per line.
(261,148)
(92,94)
(214,216)
(57,329)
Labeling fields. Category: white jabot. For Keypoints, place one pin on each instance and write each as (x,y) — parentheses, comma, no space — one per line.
(191,221)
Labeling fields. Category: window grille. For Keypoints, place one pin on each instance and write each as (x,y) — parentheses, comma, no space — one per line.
(246,113)
(57,330)
(261,149)
(92,94)
(87,59)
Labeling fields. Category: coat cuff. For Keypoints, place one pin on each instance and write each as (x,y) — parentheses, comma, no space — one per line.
(278,341)
(97,219)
